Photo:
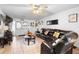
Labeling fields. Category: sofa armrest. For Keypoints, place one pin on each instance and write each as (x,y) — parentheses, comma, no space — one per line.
(66,48)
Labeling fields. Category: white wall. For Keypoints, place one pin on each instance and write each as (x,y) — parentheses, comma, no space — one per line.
(63,21)
(22,30)
(1,20)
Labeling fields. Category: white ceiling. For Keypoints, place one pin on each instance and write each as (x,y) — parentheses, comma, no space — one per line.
(25,11)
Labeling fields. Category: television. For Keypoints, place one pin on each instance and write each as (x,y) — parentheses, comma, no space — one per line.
(52,22)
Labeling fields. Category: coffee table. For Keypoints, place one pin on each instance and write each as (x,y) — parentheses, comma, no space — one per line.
(29,38)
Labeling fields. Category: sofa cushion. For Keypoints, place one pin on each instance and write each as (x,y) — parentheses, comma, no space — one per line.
(65,39)
(56,34)
(46,32)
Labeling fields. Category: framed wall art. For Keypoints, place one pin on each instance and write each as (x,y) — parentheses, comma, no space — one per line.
(52,22)
(73,18)
(18,25)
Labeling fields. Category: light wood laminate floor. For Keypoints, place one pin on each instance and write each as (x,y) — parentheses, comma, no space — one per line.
(19,46)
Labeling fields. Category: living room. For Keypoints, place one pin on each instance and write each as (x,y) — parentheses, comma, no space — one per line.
(29,26)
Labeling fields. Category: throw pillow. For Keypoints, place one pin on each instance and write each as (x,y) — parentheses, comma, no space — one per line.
(56,34)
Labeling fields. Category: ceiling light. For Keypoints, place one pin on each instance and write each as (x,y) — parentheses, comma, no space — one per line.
(37,9)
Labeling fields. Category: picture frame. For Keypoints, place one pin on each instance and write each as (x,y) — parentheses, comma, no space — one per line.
(52,22)
(18,25)
(73,18)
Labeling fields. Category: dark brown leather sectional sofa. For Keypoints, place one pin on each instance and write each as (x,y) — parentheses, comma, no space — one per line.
(63,47)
